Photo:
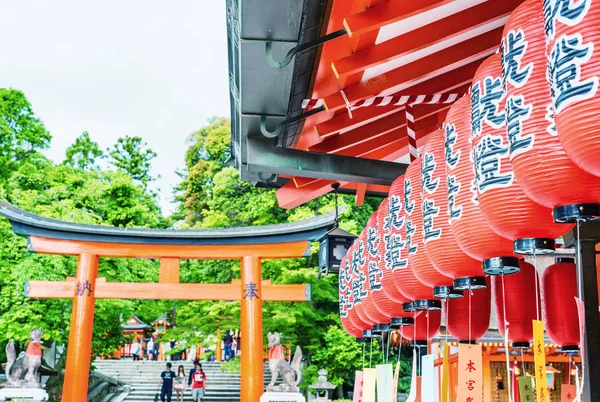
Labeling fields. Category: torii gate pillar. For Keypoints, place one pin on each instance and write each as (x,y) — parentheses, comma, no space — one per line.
(252,380)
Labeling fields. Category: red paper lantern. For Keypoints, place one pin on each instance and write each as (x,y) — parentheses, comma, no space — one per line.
(468,318)
(379,299)
(470,229)
(545,172)
(503,204)
(427,325)
(372,274)
(559,286)
(359,285)
(416,231)
(573,35)
(386,263)
(440,244)
(350,320)
(522,304)
(404,278)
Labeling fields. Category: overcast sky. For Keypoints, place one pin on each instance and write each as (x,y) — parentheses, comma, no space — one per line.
(156,69)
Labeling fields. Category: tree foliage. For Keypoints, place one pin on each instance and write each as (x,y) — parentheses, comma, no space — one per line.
(132,156)
(83,153)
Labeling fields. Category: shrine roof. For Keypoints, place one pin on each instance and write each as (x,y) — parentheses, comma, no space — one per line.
(139,324)
(29,224)
(297,127)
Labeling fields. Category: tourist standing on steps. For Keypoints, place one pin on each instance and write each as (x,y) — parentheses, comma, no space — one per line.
(135,349)
(150,349)
(198,382)
(166,379)
(228,342)
(180,383)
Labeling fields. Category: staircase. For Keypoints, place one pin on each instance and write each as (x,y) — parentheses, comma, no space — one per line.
(143,377)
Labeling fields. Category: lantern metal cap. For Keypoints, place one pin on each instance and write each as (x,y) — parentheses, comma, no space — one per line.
(420,343)
(408,307)
(569,348)
(399,322)
(565,259)
(428,305)
(521,345)
(537,246)
(369,334)
(572,213)
(361,340)
(501,266)
(447,292)
(470,283)
(380,328)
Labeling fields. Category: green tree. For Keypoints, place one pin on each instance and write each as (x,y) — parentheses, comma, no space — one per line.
(22,134)
(83,153)
(132,156)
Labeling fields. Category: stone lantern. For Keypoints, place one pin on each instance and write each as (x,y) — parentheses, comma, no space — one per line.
(323,388)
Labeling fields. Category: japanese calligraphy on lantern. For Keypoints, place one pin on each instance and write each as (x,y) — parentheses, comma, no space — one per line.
(489,153)
(485,105)
(408,204)
(516,113)
(410,232)
(427,170)
(369,381)
(372,241)
(358,288)
(430,212)
(526,389)
(358,258)
(568,393)
(564,71)
(393,244)
(566,12)
(452,157)
(396,215)
(539,354)
(357,396)
(454,211)
(513,47)
(470,373)
(375,276)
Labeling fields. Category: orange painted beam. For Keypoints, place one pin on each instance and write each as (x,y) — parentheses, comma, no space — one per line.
(251,328)
(165,291)
(424,68)
(303,181)
(361,190)
(387,13)
(214,252)
(361,116)
(169,270)
(79,349)
(496,11)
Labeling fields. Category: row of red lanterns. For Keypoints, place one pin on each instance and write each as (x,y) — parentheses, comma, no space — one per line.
(489,186)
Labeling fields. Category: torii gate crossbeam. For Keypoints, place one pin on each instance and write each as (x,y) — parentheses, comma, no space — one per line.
(90,242)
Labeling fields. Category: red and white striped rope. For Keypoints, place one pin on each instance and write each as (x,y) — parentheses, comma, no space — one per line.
(411,131)
(389,100)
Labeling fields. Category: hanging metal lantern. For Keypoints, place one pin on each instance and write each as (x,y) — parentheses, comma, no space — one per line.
(503,204)
(404,278)
(333,245)
(559,285)
(544,170)
(573,36)
(471,231)
(441,246)
(418,227)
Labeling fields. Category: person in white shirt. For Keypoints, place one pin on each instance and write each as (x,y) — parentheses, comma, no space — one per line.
(150,349)
(135,349)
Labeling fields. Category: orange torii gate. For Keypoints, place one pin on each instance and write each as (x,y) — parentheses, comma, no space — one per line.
(90,242)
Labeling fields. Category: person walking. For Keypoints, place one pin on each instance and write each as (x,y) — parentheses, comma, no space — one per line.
(227,342)
(150,349)
(135,349)
(166,380)
(180,383)
(198,382)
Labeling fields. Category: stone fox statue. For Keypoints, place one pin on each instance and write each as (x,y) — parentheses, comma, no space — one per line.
(27,367)
(290,373)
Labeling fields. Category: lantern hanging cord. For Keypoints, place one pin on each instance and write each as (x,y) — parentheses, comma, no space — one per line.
(335,187)
(522,364)
(387,354)
(579,263)
(364,348)
(470,294)
(371,354)
(508,376)
(382,347)
(537,290)
(400,346)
